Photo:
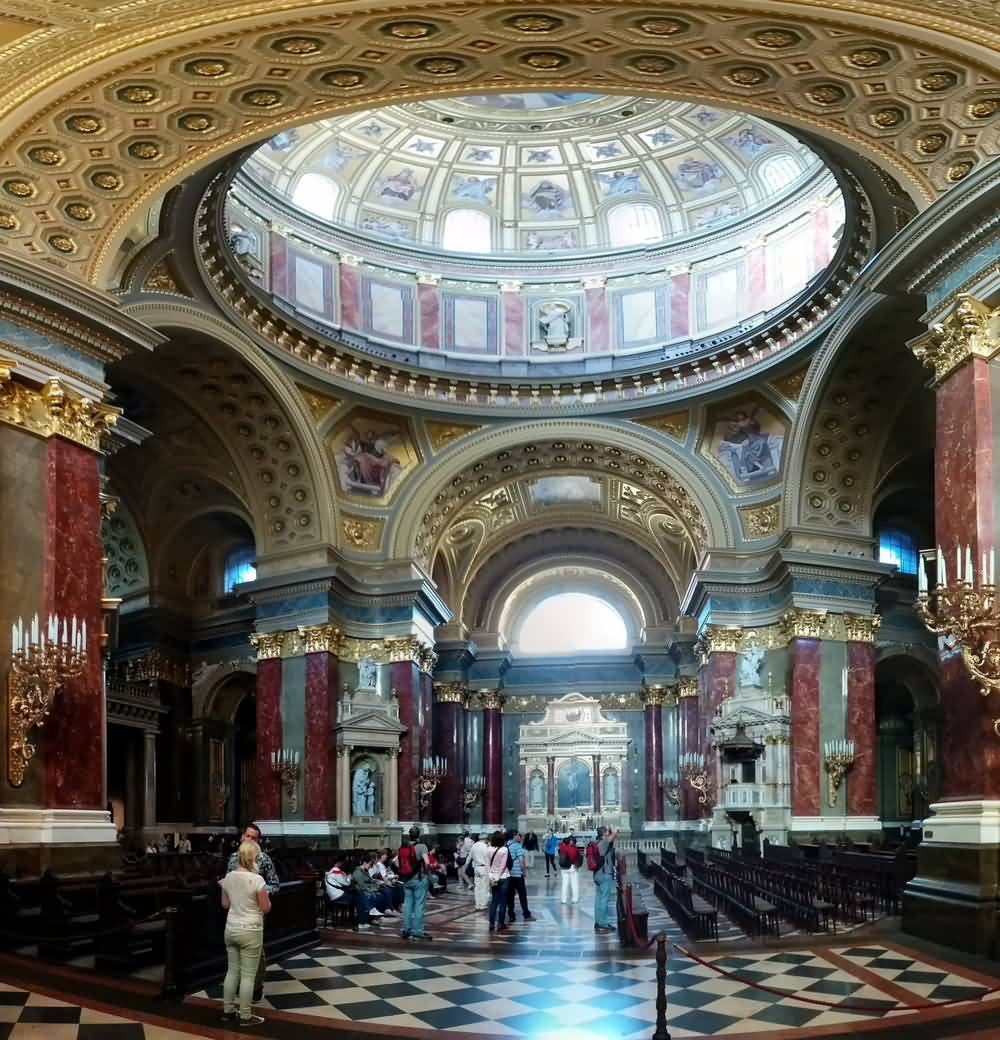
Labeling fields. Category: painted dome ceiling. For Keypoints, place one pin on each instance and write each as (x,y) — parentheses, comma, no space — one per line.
(534,173)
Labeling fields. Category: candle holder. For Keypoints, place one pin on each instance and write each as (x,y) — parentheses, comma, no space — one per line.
(838,756)
(433,770)
(471,793)
(670,787)
(43,658)
(285,764)
(695,771)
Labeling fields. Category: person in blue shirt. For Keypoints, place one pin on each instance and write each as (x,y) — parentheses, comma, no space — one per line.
(518,870)
(551,848)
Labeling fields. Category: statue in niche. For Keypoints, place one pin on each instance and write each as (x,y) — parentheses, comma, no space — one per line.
(555,322)
(536,791)
(363,789)
(749,670)
(574,784)
(610,787)
(367,673)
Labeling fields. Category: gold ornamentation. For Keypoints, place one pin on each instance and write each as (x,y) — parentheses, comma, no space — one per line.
(826,94)
(674,425)
(959,170)
(687,687)
(138,94)
(20,189)
(867,58)
(298,45)
(363,534)
(106,181)
(651,63)
(343,78)
(935,82)
(411,30)
(319,639)
(443,434)
(718,639)
(46,156)
(761,521)
(746,76)
(984,109)
(160,279)
(451,692)
(656,695)
(626,701)
(932,143)
(490,700)
(268,645)
(320,405)
(523,705)
(662,26)
(261,98)
(8,222)
(838,758)
(196,122)
(804,624)
(84,124)
(286,767)
(545,60)
(886,118)
(790,386)
(774,39)
(969,331)
(144,150)
(79,211)
(534,23)
(210,68)
(441,66)
(861,628)
(388,651)
(62,243)
(155,666)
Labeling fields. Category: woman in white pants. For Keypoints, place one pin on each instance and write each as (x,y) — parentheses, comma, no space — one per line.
(480,855)
(569,860)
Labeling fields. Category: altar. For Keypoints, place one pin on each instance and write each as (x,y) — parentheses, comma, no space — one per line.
(573,769)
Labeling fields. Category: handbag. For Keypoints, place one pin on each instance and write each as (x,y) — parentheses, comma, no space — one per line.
(496,876)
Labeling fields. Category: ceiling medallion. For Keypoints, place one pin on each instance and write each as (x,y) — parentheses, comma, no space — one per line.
(19,189)
(867,58)
(261,98)
(776,38)
(62,243)
(931,144)
(959,170)
(441,66)
(343,78)
(885,118)
(80,211)
(410,30)
(106,180)
(8,222)
(196,122)
(545,60)
(84,124)
(138,94)
(46,156)
(662,26)
(207,67)
(534,23)
(984,109)
(934,82)
(826,94)
(298,45)
(746,76)
(144,150)
(655,63)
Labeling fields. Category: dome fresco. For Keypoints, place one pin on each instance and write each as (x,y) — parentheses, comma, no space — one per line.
(534,173)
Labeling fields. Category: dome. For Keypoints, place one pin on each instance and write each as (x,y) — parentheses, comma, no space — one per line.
(536,173)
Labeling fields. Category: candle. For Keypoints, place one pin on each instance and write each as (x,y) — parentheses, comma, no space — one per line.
(992,561)
(921,577)
(942,578)
(83,637)
(969,576)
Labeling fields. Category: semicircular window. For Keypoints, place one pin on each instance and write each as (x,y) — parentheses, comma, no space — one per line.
(569,622)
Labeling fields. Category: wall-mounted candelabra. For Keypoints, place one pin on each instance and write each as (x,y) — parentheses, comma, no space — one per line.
(694,770)
(471,793)
(44,655)
(433,770)
(839,758)
(670,786)
(286,765)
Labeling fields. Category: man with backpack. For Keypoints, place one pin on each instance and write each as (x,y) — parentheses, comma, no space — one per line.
(413,873)
(516,887)
(569,869)
(601,862)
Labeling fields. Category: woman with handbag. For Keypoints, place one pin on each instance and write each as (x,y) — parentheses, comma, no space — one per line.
(498,870)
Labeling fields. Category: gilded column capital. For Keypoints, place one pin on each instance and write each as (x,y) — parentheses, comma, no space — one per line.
(389,651)
(318,639)
(687,686)
(804,624)
(491,700)
(450,693)
(267,644)
(53,410)
(861,628)
(718,639)
(971,330)
(656,696)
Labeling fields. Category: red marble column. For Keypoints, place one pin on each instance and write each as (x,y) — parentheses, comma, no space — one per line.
(429,301)
(757,278)
(654,760)
(805,661)
(279,265)
(597,784)
(720,683)
(598,335)
(269,735)
(449,741)
(551,786)
(350,297)
(861,780)
(320,766)
(514,331)
(680,314)
(406,681)
(493,759)
(74,583)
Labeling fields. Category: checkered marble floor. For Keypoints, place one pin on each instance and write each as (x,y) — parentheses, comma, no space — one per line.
(25,1015)
(418,987)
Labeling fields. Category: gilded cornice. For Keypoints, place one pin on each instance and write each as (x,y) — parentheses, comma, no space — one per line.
(451,692)
(804,624)
(152,667)
(329,639)
(522,705)
(687,687)
(53,410)
(971,330)
(860,628)
(269,645)
(628,701)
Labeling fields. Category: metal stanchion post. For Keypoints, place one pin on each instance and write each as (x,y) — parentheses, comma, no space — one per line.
(169,988)
(661,1032)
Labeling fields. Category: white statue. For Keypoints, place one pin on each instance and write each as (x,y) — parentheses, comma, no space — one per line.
(611,787)
(536,791)
(555,320)
(367,674)
(749,670)
(363,791)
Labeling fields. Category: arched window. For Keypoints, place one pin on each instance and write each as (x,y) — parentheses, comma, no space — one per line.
(633,223)
(317,195)
(899,547)
(779,171)
(572,621)
(239,568)
(467,231)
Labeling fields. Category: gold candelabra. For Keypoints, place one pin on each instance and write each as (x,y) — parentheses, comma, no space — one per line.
(695,771)
(839,758)
(474,787)
(286,765)
(43,658)
(669,785)
(432,772)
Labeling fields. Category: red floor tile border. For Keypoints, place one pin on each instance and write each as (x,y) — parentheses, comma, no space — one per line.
(990,982)
(886,986)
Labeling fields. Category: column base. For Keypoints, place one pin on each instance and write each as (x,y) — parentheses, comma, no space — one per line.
(61,840)
(963,823)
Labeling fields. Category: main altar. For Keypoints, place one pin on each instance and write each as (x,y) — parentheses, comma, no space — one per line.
(573,769)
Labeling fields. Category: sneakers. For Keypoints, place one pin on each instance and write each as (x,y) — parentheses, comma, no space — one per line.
(422,938)
(530,917)
(604,928)
(364,927)
(375,913)
(253,1020)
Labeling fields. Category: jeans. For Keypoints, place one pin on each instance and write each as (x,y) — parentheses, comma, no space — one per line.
(243,954)
(602,900)
(516,887)
(414,905)
(550,863)
(570,885)
(498,904)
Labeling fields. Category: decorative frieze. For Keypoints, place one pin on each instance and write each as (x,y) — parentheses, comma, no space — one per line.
(451,692)
(687,686)
(151,667)
(718,639)
(656,696)
(328,638)
(861,628)
(268,645)
(629,701)
(971,330)
(804,624)
(761,521)
(318,639)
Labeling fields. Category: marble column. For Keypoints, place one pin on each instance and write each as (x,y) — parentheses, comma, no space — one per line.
(492,757)
(688,695)
(804,655)
(350,292)
(148,779)
(597,785)
(449,741)
(319,772)
(523,801)
(515,337)
(654,697)
(406,681)
(597,334)
(429,309)
(680,301)
(550,786)
(862,783)
(269,728)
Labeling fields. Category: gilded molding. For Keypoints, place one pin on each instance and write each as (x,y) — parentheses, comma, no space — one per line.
(761,521)
(656,696)
(151,667)
(630,701)
(971,330)
(675,425)
(268,645)
(53,410)
(362,533)
(450,692)
(443,434)
(718,639)
(861,628)
(490,700)
(804,624)
(318,639)
(523,705)
(687,686)
(790,386)
(320,405)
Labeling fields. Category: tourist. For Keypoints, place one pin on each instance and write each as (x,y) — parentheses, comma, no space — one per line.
(387,878)
(462,863)
(569,870)
(151,848)
(371,900)
(516,885)
(480,875)
(498,874)
(184,845)
(437,873)
(265,867)
(244,896)
(337,883)
(530,848)
(551,845)
(412,860)
(601,861)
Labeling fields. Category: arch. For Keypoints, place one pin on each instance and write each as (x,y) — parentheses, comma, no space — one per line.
(632,223)
(612,602)
(776,172)
(317,195)
(125,549)
(467,231)
(214,688)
